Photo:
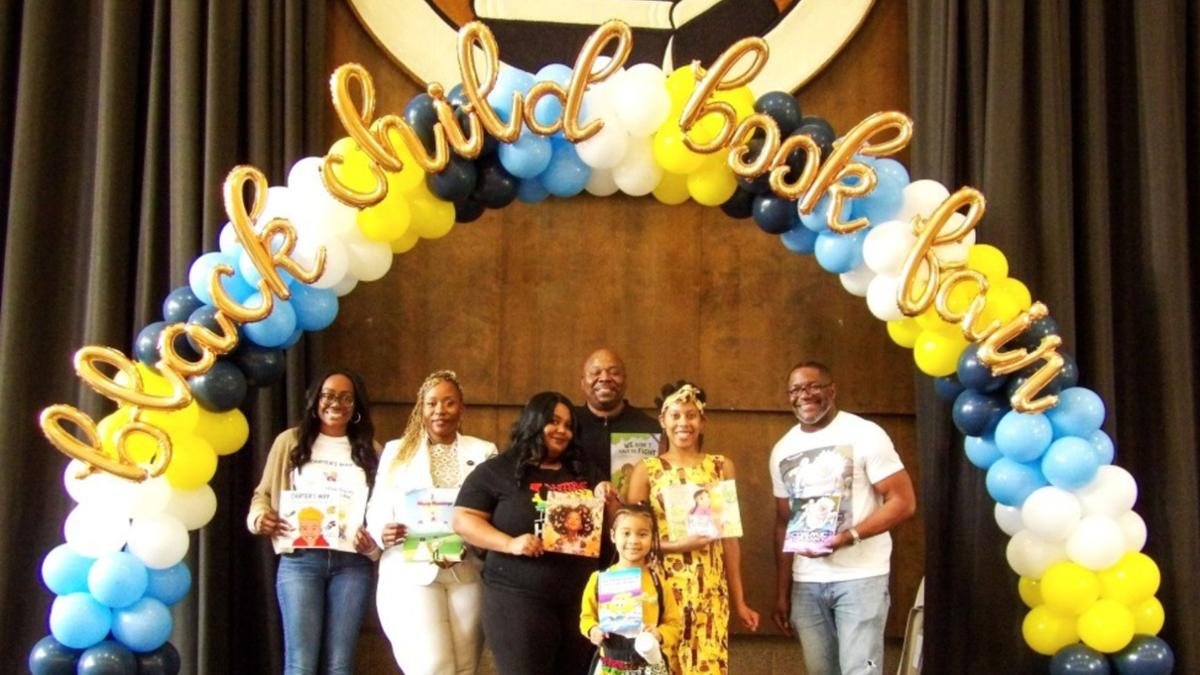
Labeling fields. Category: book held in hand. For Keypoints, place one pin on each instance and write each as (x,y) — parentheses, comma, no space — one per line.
(627,449)
(620,601)
(325,518)
(814,521)
(427,513)
(573,523)
(702,510)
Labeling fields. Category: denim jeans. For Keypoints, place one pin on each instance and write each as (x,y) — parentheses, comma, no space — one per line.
(840,625)
(322,597)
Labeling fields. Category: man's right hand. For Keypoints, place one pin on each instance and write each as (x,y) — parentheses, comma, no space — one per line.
(782,614)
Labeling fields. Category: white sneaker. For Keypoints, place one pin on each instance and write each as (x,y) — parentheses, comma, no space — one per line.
(646,645)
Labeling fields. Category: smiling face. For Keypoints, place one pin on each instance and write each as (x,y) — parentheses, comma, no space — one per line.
(310,530)
(574,522)
(441,412)
(633,536)
(557,434)
(603,382)
(813,395)
(682,423)
(335,405)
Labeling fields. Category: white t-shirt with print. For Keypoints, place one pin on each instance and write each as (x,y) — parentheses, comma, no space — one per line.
(330,467)
(844,458)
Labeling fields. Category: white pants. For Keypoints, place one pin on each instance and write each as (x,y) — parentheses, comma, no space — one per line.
(434,629)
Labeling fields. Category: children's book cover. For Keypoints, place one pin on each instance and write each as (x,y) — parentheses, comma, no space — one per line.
(814,520)
(430,538)
(327,518)
(620,601)
(702,510)
(573,523)
(627,449)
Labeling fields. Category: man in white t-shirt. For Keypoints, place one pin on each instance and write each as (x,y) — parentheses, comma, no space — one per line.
(839,487)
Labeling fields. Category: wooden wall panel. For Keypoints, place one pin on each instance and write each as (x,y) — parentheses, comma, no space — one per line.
(515,301)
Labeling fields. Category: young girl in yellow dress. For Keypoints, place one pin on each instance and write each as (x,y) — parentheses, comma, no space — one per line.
(635,533)
(703,573)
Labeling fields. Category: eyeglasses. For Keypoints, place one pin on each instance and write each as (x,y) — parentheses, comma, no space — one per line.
(810,388)
(329,398)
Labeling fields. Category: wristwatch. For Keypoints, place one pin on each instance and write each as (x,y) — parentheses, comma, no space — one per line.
(855,536)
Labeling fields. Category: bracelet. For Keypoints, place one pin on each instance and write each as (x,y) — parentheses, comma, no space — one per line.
(855,536)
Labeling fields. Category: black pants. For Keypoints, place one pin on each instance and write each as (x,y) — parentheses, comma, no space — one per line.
(531,636)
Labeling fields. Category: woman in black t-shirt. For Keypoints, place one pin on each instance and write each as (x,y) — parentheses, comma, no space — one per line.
(531,597)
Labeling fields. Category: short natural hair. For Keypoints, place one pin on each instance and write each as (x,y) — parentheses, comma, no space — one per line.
(815,365)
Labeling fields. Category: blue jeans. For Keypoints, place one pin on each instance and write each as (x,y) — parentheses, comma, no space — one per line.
(322,597)
(840,625)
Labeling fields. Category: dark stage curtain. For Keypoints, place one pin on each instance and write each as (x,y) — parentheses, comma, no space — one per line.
(1078,122)
(118,123)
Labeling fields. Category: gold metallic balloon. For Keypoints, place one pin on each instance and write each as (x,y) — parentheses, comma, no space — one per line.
(930,234)
(472,36)
(51,421)
(132,393)
(713,80)
(429,162)
(582,75)
(739,145)
(465,143)
(537,93)
(162,458)
(812,162)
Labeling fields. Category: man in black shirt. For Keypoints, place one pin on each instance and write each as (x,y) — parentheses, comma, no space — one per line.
(606,411)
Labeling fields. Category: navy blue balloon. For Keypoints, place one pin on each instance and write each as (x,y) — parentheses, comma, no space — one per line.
(1079,659)
(421,116)
(467,210)
(773,214)
(107,658)
(179,304)
(495,188)
(162,661)
(1069,376)
(454,182)
(51,657)
(1018,378)
(948,388)
(1037,330)
(821,131)
(760,185)
(974,374)
(145,345)
(206,316)
(975,414)
(261,366)
(740,205)
(1145,655)
(221,388)
(781,107)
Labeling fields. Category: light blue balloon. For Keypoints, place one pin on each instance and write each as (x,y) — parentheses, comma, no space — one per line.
(566,175)
(799,239)
(64,571)
(143,626)
(889,167)
(549,108)
(526,157)
(881,203)
(981,451)
(1010,483)
(200,273)
(839,253)
(1079,412)
(78,621)
(531,191)
(1102,445)
(818,220)
(293,339)
(1070,463)
(118,579)
(249,275)
(508,81)
(276,328)
(1023,437)
(171,585)
(315,308)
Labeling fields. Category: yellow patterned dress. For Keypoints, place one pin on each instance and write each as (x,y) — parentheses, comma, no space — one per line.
(697,578)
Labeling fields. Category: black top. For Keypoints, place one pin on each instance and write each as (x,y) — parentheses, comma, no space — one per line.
(520,509)
(594,431)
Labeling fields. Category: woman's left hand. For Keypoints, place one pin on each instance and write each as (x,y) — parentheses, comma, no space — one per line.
(363,543)
(748,616)
(605,490)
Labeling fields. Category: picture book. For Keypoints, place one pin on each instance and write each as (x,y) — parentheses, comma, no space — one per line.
(702,510)
(428,513)
(814,520)
(573,523)
(326,518)
(620,601)
(627,450)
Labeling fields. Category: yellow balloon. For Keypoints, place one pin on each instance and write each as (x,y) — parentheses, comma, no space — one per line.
(672,189)
(387,220)
(937,353)
(989,260)
(108,427)
(930,320)
(411,175)
(193,463)
(670,152)
(406,242)
(706,129)
(1134,578)
(1148,617)
(1030,591)
(712,184)
(1107,626)
(226,432)
(680,85)
(1047,631)
(432,218)
(354,172)
(1017,291)
(1069,588)
(1001,306)
(742,100)
(904,331)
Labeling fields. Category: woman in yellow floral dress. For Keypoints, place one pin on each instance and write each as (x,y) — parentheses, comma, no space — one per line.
(704,573)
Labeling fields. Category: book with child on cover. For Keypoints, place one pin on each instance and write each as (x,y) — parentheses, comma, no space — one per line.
(814,520)
(427,513)
(619,592)
(326,518)
(702,510)
(573,523)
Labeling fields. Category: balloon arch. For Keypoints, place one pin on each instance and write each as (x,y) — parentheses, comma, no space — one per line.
(140,475)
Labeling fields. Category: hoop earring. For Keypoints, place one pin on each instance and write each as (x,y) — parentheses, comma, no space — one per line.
(357,417)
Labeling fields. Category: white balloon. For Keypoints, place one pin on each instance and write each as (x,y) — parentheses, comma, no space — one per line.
(108,492)
(1134,529)
(638,174)
(193,508)
(280,204)
(606,149)
(1008,518)
(1097,543)
(640,99)
(955,251)
(1051,513)
(94,532)
(601,183)
(921,197)
(887,245)
(370,260)
(151,497)
(882,296)
(346,285)
(159,541)
(857,280)
(337,260)
(1112,492)
(314,207)
(1030,556)
(227,241)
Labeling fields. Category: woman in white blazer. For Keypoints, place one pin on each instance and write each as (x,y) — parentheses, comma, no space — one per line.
(429,591)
